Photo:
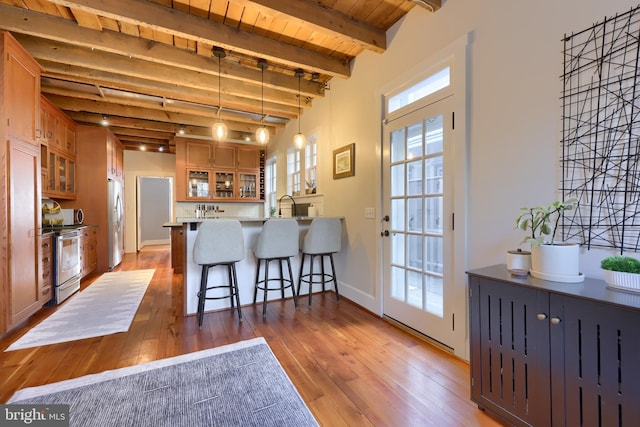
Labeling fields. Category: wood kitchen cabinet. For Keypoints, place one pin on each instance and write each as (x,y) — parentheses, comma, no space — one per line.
(178,245)
(46,254)
(88,250)
(58,152)
(96,148)
(218,172)
(553,354)
(20,217)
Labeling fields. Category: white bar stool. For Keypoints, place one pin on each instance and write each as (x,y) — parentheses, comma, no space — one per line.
(322,240)
(278,241)
(219,242)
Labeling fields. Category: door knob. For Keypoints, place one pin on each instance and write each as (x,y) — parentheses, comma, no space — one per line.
(384,233)
(386,218)
(555,320)
(541,316)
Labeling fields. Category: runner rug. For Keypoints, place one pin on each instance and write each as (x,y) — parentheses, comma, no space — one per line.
(240,384)
(107,306)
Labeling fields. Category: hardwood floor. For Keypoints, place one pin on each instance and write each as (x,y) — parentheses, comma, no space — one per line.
(351,367)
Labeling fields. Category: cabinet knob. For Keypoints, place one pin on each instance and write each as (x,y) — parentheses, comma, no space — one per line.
(541,316)
(555,320)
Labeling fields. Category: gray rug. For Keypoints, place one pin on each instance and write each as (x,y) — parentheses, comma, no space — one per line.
(107,306)
(240,384)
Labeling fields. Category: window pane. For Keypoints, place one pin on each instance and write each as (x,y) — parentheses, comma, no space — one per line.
(414,178)
(414,214)
(414,142)
(397,248)
(414,251)
(433,254)
(397,214)
(433,214)
(397,145)
(433,175)
(434,295)
(433,134)
(426,87)
(414,290)
(397,283)
(397,180)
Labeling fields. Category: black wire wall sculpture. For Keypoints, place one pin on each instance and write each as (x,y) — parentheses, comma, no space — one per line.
(601,133)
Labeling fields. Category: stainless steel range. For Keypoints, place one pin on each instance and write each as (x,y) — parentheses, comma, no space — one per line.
(66,268)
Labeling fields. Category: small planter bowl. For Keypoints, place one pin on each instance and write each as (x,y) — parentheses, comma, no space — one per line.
(622,280)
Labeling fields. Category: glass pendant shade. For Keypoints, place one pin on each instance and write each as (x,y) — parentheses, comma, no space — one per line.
(219,131)
(299,140)
(262,135)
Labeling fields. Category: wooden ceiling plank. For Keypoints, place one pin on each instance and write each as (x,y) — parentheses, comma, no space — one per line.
(145,87)
(144,13)
(39,25)
(86,20)
(324,20)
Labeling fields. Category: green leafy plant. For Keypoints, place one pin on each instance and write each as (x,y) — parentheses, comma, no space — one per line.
(543,221)
(623,264)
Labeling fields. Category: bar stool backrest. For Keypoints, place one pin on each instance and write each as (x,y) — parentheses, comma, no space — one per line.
(279,238)
(219,241)
(324,236)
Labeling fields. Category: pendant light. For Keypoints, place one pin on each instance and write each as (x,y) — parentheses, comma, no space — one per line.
(219,129)
(299,139)
(262,133)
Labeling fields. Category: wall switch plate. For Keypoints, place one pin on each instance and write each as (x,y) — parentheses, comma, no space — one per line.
(369,212)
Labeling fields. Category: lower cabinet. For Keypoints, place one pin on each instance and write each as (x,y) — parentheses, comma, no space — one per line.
(88,250)
(177,248)
(46,251)
(553,354)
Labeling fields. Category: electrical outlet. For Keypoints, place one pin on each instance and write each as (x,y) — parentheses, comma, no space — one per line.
(369,212)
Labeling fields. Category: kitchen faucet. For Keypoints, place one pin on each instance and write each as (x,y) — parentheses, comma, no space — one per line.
(293,209)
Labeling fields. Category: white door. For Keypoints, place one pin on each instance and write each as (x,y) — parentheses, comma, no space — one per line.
(417,203)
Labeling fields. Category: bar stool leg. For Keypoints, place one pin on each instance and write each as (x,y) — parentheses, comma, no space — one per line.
(322,270)
(335,279)
(236,291)
(255,286)
(266,286)
(293,288)
(201,295)
(281,278)
(301,268)
(231,292)
(311,277)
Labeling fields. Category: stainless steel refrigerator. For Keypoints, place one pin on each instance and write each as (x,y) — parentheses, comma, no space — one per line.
(116,223)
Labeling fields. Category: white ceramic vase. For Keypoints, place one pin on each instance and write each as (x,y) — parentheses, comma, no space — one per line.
(559,262)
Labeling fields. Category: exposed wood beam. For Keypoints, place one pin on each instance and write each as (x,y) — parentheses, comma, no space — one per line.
(317,17)
(191,27)
(47,50)
(43,26)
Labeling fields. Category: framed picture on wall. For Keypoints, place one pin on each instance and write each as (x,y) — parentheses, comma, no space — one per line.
(344,161)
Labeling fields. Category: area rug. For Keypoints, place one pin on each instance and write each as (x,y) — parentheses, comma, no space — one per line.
(107,306)
(240,384)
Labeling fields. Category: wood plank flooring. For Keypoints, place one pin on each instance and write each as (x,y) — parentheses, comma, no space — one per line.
(351,367)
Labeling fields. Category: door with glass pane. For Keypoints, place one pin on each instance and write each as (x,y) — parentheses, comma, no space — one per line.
(418,236)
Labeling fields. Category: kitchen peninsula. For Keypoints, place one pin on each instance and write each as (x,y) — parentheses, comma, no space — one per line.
(246,269)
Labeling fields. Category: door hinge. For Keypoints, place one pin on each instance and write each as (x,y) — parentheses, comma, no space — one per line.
(453,221)
(453,120)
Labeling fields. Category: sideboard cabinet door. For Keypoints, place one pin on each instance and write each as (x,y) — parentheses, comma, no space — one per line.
(595,356)
(509,339)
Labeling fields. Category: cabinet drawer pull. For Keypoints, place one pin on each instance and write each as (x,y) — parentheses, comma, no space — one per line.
(541,316)
(555,320)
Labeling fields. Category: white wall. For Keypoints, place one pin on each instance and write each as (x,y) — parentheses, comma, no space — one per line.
(140,163)
(515,60)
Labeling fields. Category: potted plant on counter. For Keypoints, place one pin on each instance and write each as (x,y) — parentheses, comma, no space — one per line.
(622,272)
(550,260)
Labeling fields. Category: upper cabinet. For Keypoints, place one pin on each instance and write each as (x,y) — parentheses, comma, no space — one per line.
(21,79)
(57,136)
(218,171)
(115,158)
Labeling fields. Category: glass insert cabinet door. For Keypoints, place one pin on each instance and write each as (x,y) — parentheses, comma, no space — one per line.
(418,241)
(198,184)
